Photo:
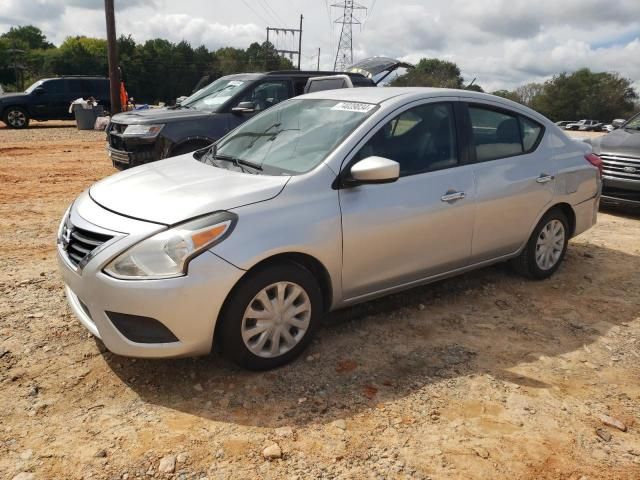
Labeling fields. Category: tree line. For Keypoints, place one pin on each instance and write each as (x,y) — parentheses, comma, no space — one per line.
(156,70)
(566,96)
(159,70)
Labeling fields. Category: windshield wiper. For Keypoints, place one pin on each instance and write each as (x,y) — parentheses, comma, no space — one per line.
(237,162)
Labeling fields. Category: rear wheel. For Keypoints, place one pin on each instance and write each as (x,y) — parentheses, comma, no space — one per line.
(270,317)
(546,247)
(16,117)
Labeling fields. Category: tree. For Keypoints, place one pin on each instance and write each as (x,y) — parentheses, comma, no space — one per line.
(27,37)
(431,72)
(585,94)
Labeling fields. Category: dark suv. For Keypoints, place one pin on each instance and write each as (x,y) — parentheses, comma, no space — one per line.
(143,136)
(49,99)
(620,154)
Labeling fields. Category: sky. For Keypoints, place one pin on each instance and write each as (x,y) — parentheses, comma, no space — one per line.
(502,43)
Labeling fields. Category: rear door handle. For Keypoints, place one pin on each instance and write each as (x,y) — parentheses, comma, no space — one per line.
(450,197)
(544,178)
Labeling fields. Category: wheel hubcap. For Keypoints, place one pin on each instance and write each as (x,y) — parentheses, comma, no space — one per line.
(550,245)
(276,319)
(16,118)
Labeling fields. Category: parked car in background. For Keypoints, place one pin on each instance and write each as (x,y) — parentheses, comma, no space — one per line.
(320,202)
(564,123)
(585,125)
(49,99)
(620,154)
(139,137)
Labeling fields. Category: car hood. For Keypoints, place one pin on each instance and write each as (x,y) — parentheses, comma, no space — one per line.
(12,96)
(180,188)
(620,142)
(158,115)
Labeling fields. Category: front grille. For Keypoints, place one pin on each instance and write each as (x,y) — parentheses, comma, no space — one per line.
(119,156)
(118,127)
(78,243)
(116,141)
(622,168)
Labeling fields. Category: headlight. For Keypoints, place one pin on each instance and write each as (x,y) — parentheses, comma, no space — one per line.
(167,254)
(142,130)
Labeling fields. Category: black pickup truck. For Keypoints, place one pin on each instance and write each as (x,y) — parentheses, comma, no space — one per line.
(620,154)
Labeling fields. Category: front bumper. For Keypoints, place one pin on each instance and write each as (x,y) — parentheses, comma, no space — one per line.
(187,306)
(126,152)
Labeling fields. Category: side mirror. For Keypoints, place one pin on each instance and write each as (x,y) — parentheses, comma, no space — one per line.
(374,170)
(618,122)
(244,107)
(181,99)
(39,91)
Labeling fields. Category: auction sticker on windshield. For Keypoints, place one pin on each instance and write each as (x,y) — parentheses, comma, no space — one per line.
(353,107)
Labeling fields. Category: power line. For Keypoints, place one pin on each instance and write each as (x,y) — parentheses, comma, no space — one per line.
(369,13)
(254,12)
(274,14)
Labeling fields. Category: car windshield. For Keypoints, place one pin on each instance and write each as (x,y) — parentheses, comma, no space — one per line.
(214,95)
(634,123)
(34,86)
(292,137)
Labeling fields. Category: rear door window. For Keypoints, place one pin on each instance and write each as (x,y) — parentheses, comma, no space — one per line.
(76,87)
(499,133)
(496,133)
(54,86)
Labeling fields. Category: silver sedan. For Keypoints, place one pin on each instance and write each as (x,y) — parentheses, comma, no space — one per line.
(322,201)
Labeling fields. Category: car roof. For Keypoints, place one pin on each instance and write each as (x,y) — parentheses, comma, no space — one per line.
(380,95)
(82,77)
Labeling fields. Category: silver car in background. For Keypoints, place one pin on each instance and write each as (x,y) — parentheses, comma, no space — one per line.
(321,202)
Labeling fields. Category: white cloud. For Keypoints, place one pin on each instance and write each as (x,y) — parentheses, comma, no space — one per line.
(504,43)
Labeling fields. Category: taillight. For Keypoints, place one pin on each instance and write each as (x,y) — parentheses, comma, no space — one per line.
(594,160)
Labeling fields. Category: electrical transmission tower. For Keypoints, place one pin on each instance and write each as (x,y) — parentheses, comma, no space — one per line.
(344,54)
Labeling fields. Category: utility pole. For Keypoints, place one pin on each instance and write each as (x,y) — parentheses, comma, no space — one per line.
(318,59)
(291,53)
(344,54)
(300,43)
(112,54)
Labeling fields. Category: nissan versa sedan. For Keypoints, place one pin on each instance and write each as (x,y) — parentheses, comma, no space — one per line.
(323,201)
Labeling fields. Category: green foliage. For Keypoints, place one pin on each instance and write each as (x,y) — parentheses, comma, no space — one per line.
(581,94)
(433,72)
(156,70)
(27,37)
(586,94)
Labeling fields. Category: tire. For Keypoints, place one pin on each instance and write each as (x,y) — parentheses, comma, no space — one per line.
(532,261)
(257,352)
(16,117)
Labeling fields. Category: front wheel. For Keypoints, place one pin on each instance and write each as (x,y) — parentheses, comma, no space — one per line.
(16,117)
(270,317)
(546,247)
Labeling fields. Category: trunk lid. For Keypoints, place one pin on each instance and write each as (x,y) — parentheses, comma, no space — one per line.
(379,67)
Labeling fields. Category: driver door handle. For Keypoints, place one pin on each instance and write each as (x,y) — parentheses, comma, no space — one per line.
(451,197)
(544,178)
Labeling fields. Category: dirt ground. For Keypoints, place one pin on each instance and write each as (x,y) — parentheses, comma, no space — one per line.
(483,376)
